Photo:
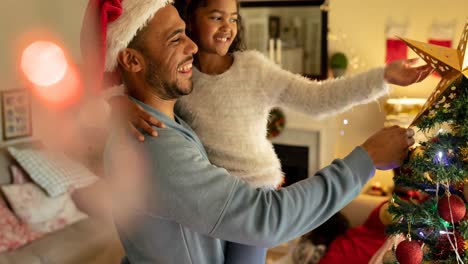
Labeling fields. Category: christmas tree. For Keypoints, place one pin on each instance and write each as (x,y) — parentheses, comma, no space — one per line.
(433,219)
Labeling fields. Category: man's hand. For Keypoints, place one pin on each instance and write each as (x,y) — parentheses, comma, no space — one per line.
(134,115)
(389,147)
(403,73)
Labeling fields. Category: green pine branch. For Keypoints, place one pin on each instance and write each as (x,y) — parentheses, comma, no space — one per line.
(424,169)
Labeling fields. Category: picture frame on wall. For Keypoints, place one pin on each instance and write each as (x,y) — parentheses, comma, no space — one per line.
(16,114)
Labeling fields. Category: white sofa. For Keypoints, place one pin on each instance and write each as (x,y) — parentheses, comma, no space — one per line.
(90,241)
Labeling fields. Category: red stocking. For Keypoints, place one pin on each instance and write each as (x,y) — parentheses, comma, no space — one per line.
(396,48)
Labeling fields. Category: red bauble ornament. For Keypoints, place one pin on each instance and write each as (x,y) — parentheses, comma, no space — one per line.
(444,249)
(457,206)
(409,252)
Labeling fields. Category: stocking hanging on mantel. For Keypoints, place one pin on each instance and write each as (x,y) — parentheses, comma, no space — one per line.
(441,34)
(396,48)
(450,63)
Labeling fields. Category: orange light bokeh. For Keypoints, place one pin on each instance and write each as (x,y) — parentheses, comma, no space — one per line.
(63,93)
(44,63)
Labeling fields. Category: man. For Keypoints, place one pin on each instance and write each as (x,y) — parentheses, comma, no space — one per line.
(170,204)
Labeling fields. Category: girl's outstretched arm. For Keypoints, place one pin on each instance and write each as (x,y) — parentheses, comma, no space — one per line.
(331,97)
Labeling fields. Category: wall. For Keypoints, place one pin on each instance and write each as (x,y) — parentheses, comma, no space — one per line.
(27,20)
(362,23)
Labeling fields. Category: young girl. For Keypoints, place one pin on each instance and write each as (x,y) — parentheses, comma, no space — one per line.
(234,91)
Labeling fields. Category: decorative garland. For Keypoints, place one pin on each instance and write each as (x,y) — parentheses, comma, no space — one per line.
(276,123)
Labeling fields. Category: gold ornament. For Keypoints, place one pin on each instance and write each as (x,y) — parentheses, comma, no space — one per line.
(427,175)
(449,63)
(465,193)
(464,154)
(385,216)
(417,151)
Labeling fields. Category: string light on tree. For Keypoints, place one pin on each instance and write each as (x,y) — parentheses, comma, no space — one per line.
(439,164)
(449,243)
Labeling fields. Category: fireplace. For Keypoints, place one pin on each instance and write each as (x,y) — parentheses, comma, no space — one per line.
(298,151)
(294,162)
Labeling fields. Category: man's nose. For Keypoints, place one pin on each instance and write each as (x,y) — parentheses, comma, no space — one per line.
(191,47)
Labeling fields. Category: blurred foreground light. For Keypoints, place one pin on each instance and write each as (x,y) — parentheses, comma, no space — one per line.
(44,63)
(64,93)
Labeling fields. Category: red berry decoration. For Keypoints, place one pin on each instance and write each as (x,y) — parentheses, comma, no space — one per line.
(444,248)
(453,203)
(409,252)
(276,123)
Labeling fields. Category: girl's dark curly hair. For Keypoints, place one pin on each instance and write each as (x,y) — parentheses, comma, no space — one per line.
(187,10)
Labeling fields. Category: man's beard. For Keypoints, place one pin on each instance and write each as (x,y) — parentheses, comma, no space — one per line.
(164,89)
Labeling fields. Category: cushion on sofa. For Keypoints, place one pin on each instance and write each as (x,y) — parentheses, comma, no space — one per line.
(40,211)
(18,175)
(13,233)
(91,241)
(53,171)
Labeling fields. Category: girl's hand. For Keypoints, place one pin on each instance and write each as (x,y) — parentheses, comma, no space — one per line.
(135,116)
(403,73)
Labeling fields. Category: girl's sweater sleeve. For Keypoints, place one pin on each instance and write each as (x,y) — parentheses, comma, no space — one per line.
(320,99)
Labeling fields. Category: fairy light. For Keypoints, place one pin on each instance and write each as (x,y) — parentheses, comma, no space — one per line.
(440,158)
(421,234)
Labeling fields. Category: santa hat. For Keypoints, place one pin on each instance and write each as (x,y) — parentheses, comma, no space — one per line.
(108,27)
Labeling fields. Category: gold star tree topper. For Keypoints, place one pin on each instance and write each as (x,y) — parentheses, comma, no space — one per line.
(449,63)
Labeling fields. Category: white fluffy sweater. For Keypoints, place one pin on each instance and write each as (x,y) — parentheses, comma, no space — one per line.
(229,112)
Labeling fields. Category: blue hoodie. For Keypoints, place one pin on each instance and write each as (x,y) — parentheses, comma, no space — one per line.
(191,207)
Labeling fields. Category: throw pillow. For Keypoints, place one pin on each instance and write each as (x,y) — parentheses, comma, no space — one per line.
(40,211)
(18,175)
(53,171)
(13,233)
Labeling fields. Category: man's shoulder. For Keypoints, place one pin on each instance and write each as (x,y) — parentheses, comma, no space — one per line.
(168,140)
(168,137)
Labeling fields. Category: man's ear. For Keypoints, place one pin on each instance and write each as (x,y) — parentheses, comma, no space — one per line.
(130,60)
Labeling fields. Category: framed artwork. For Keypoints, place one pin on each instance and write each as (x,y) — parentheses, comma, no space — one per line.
(16,114)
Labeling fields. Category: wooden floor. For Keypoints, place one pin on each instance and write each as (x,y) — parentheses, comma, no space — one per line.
(276,253)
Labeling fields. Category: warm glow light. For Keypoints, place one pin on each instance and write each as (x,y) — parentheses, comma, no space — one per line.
(44,63)
(407,101)
(345,121)
(63,93)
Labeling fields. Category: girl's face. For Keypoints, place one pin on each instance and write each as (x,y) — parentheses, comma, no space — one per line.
(214,26)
